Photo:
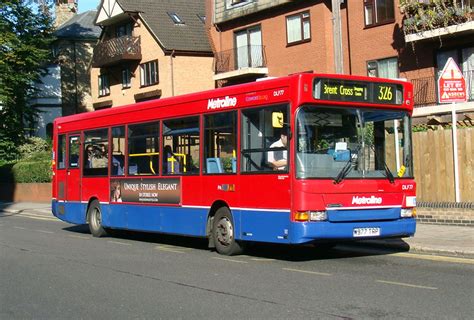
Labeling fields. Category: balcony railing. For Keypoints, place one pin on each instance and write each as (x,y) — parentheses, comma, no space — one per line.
(251,56)
(425,90)
(115,50)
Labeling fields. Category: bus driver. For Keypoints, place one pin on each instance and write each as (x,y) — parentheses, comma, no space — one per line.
(278,159)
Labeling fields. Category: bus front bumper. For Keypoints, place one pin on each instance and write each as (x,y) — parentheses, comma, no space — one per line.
(305,232)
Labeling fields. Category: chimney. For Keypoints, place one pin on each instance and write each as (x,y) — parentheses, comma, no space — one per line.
(64,10)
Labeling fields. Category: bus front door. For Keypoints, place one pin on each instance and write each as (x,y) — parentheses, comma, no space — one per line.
(73,173)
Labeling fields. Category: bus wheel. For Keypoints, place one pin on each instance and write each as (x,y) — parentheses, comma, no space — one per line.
(223,232)
(94,215)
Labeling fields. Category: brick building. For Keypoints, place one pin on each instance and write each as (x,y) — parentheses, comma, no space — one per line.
(266,38)
(148,50)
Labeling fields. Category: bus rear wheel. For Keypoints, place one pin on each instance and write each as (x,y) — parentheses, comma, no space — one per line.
(223,232)
(94,215)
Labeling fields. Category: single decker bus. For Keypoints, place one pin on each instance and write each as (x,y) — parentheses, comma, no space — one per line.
(303,159)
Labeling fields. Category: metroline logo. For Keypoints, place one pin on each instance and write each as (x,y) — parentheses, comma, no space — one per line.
(221,103)
(366,200)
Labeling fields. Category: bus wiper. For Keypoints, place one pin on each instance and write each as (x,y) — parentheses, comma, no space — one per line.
(344,172)
(388,173)
(347,168)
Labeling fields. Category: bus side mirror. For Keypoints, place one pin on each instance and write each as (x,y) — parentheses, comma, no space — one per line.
(277,120)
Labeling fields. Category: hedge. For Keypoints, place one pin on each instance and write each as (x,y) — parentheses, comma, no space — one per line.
(32,171)
(35,169)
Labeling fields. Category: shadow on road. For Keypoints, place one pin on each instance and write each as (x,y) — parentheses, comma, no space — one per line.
(292,253)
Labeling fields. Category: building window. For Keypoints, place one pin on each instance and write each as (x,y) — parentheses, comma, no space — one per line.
(201,17)
(124,30)
(248,48)
(149,73)
(384,68)
(126,78)
(298,28)
(378,11)
(104,88)
(235,3)
(175,18)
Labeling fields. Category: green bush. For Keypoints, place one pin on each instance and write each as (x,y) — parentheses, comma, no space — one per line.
(34,164)
(32,171)
(32,147)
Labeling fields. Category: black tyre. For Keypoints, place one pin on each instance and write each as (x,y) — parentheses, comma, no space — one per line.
(223,232)
(94,216)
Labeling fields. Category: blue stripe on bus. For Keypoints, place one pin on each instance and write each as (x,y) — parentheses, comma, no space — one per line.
(175,220)
(72,212)
(250,225)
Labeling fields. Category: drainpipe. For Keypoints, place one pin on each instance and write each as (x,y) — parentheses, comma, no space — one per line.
(172,72)
(337,36)
(76,97)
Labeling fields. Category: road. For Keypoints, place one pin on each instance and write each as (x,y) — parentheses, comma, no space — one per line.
(53,270)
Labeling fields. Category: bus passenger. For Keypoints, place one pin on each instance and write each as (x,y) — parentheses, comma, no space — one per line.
(278,159)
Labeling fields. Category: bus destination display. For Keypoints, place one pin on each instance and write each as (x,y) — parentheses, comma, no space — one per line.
(357,91)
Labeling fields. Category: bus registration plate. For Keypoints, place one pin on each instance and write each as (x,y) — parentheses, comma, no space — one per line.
(366,232)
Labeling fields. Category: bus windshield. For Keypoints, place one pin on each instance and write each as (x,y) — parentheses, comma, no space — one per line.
(353,143)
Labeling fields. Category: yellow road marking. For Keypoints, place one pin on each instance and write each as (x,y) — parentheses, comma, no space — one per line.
(262,259)
(309,272)
(37,217)
(168,246)
(78,237)
(406,285)
(21,228)
(434,258)
(118,242)
(167,249)
(44,231)
(409,255)
(229,260)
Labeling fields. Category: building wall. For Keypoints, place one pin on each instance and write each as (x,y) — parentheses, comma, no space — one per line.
(282,59)
(190,73)
(74,57)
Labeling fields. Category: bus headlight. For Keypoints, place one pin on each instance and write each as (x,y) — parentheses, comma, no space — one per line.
(304,216)
(408,213)
(318,215)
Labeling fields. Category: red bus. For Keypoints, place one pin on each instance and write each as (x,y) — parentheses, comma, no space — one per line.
(301,159)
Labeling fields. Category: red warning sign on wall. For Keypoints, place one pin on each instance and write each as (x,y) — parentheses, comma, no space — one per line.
(451,84)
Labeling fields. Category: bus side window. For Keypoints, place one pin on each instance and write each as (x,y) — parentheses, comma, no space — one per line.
(261,141)
(220,143)
(143,149)
(96,152)
(61,152)
(181,146)
(118,151)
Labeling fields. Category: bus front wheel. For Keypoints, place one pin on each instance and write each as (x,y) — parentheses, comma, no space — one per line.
(223,232)
(94,215)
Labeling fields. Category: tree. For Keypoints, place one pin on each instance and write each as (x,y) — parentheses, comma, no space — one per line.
(26,33)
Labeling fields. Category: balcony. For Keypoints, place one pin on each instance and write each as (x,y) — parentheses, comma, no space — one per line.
(114,51)
(425,90)
(240,62)
(428,20)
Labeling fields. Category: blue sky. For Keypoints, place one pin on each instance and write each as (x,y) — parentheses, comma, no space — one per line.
(85,5)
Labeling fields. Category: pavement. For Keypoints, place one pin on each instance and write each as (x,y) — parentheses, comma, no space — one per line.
(431,239)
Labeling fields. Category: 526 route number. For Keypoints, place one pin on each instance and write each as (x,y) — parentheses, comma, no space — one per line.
(385,93)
